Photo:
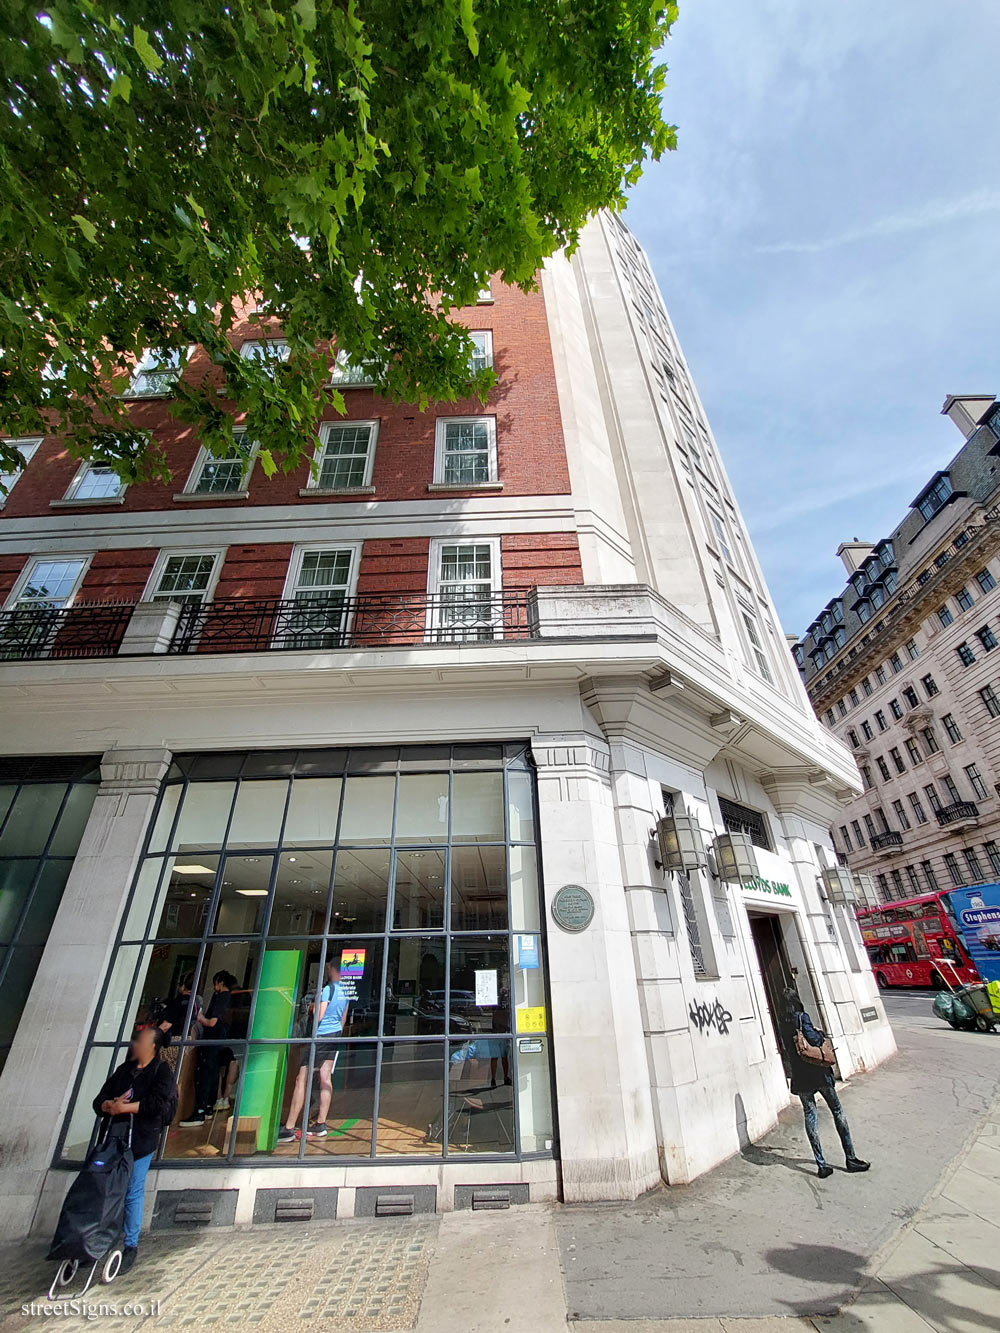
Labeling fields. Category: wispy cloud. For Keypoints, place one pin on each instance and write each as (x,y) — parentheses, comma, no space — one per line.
(813,502)
(933,215)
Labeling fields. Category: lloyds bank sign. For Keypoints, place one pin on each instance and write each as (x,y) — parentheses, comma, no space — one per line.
(759,885)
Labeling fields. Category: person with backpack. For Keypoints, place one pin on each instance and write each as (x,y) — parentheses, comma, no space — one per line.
(809,1058)
(141,1094)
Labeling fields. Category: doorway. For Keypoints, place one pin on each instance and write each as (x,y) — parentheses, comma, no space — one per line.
(776,970)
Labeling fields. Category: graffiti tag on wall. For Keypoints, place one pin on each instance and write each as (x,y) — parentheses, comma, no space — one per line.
(704,1016)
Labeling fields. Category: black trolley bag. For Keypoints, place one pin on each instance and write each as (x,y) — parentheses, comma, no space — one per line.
(93,1211)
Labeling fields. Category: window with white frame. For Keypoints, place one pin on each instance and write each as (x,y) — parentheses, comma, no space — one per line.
(482,354)
(227,474)
(485,296)
(188,576)
(266,351)
(346,456)
(464,578)
(26,448)
(48,584)
(157,373)
(319,584)
(95,481)
(757,647)
(346,372)
(719,527)
(465,451)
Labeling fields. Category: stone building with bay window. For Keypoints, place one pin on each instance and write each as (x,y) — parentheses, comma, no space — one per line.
(491,708)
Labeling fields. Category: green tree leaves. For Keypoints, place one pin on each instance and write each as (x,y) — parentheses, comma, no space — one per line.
(362,166)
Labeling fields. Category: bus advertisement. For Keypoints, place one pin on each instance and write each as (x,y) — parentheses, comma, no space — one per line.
(977,912)
(916,942)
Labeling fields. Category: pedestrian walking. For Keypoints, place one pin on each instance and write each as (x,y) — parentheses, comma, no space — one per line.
(812,1075)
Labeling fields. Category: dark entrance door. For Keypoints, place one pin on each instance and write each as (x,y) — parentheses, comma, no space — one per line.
(774,965)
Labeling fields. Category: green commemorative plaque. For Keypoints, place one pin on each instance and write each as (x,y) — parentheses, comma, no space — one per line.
(573,908)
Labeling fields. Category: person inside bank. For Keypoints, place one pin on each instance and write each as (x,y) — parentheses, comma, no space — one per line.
(331,1015)
(809,1078)
(213,1025)
(140,1095)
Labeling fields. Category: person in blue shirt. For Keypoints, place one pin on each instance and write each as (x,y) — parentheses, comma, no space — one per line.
(331,1014)
(807,1079)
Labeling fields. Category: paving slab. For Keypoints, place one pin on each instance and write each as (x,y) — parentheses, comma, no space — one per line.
(876,1310)
(951,1296)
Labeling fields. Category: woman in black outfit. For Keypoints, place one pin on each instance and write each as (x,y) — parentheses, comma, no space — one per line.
(142,1093)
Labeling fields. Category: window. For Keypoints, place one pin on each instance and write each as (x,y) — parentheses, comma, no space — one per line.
(930,740)
(987,638)
(895,709)
(878,596)
(866,686)
(863,611)
(852,736)
(845,838)
(157,373)
(268,352)
(976,782)
(859,837)
(880,674)
(896,662)
(965,654)
(842,707)
(866,730)
(49,583)
(951,728)
(188,577)
(929,875)
(910,697)
(897,759)
(757,648)
(414,869)
(900,813)
(912,651)
(913,750)
(944,616)
(26,448)
(349,374)
(933,800)
(897,883)
(930,686)
(737,818)
(986,581)
(882,819)
(880,720)
(319,582)
(853,696)
(973,864)
(883,768)
(991,700)
(954,795)
(830,719)
(485,294)
(482,355)
(866,776)
(883,887)
(465,451)
(222,476)
(917,808)
(911,875)
(964,598)
(722,540)
(870,826)
(954,869)
(97,483)
(464,578)
(346,456)
(931,500)
(993,856)
(923,576)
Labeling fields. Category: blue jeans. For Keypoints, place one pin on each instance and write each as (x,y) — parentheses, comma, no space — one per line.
(134,1199)
(829,1094)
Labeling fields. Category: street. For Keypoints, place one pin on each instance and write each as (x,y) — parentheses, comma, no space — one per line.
(760,1236)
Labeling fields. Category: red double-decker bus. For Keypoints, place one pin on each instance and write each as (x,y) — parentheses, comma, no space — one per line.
(915,942)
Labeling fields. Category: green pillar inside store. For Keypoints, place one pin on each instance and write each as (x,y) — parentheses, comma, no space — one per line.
(264,1079)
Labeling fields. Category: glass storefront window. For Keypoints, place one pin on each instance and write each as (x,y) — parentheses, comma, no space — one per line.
(328,935)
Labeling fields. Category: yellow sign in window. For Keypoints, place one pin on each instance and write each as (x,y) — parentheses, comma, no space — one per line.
(531,1018)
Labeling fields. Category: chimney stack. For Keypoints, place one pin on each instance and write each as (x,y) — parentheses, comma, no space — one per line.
(966,409)
(854,554)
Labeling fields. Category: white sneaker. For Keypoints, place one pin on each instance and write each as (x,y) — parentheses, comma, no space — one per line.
(222,1104)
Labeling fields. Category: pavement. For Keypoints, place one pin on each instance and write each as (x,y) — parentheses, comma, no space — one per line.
(760,1245)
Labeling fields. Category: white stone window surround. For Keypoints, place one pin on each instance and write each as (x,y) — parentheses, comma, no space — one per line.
(157,371)
(56,557)
(152,587)
(27,446)
(304,548)
(326,431)
(191,493)
(492,481)
(86,470)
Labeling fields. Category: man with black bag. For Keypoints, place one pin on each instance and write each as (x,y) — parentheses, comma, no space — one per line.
(810,1058)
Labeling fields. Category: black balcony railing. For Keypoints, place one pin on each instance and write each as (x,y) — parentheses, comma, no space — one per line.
(888,841)
(94,630)
(380,620)
(957,813)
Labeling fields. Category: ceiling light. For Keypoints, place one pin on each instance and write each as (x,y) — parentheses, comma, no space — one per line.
(193,870)
(252,893)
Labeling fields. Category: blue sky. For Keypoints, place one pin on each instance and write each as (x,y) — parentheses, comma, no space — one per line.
(827,239)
